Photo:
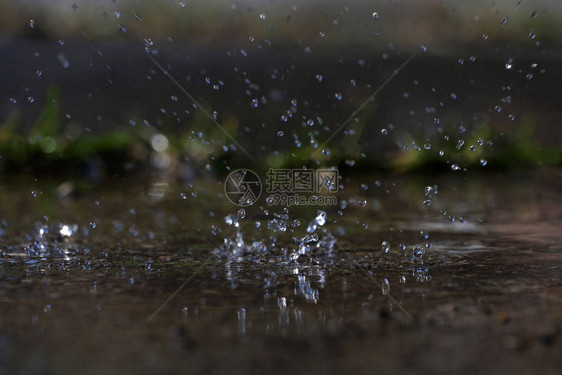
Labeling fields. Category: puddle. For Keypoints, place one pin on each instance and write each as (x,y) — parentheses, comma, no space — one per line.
(115,280)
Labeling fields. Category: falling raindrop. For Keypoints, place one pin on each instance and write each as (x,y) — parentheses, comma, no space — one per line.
(385,247)
(385,287)
(63,60)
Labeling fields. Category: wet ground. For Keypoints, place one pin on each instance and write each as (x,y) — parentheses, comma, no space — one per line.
(132,277)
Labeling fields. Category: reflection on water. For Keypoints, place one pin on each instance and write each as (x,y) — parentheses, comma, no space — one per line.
(300,290)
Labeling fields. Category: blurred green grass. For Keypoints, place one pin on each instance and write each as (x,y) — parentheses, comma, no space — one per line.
(50,148)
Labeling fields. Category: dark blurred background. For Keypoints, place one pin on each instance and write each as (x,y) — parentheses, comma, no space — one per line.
(79,93)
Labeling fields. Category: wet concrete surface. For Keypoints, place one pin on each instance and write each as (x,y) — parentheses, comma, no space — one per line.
(486,298)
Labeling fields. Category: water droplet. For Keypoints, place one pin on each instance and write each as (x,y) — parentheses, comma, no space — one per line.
(321,217)
(532,34)
(427,202)
(385,287)
(75,7)
(67,230)
(63,60)
(148,42)
(384,131)
(280,133)
(376,15)
(254,103)
(241,213)
(319,77)
(138,17)
(326,151)
(460,143)
(483,162)
(262,16)
(385,247)
(32,23)
(455,167)
(533,14)
(504,20)
(509,64)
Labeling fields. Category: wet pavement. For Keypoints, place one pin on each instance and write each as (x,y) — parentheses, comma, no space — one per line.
(130,277)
